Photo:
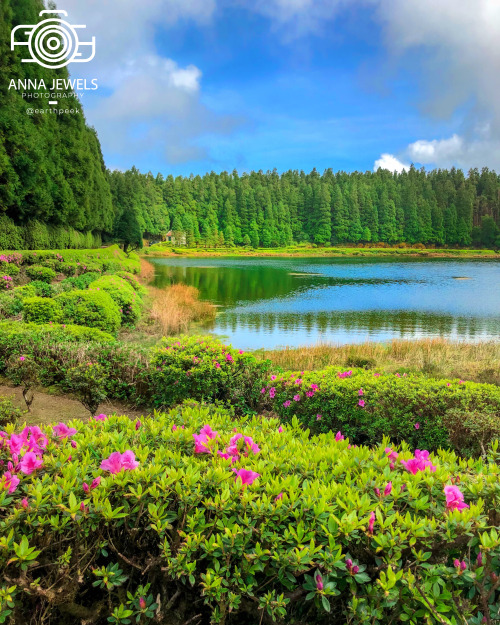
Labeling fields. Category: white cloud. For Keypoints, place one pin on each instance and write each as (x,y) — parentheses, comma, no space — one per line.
(390,162)
(146,103)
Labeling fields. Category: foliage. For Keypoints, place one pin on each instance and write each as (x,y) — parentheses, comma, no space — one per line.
(9,269)
(86,381)
(42,289)
(95,309)
(302,536)
(367,405)
(8,412)
(41,310)
(79,282)
(123,294)
(25,372)
(38,272)
(204,368)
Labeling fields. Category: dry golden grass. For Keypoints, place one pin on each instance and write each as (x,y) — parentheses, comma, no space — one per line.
(177,306)
(479,362)
(147,272)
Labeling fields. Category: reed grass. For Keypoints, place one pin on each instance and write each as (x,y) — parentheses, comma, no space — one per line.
(177,306)
(479,362)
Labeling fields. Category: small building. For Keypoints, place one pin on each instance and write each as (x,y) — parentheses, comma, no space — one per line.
(180,239)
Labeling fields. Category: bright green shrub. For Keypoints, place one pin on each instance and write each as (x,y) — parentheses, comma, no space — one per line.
(11,302)
(41,310)
(27,290)
(181,530)
(42,289)
(79,282)
(10,235)
(133,281)
(128,301)
(38,272)
(23,337)
(410,408)
(204,368)
(68,268)
(9,269)
(95,309)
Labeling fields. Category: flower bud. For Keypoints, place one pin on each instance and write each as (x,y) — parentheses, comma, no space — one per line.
(348,563)
(456,563)
(24,503)
(96,482)
(142,603)
(463,565)
(319,582)
(480,559)
(355,569)
(85,487)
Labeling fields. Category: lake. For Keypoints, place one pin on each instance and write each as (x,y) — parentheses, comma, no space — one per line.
(272,302)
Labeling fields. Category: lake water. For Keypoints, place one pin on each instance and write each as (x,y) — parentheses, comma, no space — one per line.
(272,302)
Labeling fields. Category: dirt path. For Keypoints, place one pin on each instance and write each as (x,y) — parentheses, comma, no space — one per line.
(54,408)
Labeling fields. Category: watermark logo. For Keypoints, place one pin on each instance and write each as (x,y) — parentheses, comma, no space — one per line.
(53,42)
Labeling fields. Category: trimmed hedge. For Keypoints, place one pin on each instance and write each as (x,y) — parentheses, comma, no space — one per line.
(128,301)
(411,408)
(39,272)
(40,310)
(95,309)
(175,536)
(26,337)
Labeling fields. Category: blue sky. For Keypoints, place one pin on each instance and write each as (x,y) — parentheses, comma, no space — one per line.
(192,86)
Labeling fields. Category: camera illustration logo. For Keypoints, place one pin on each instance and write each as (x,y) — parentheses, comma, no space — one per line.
(53,42)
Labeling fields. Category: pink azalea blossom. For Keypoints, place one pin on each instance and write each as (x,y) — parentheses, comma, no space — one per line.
(73,444)
(392,455)
(246,476)
(229,358)
(319,582)
(296,398)
(314,387)
(278,497)
(22,358)
(63,431)
(24,503)
(95,482)
(287,403)
(361,392)
(419,463)
(339,436)
(371,522)
(263,390)
(101,417)
(273,377)
(9,482)
(319,417)
(120,462)
(217,365)
(272,392)
(417,426)
(30,462)
(361,403)
(201,440)
(309,393)
(479,559)
(454,498)
(280,429)
(85,487)
(388,489)
(137,424)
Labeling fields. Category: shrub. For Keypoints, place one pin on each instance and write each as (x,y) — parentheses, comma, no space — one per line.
(472,432)
(410,408)
(9,269)
(127,300)
(204,368)
(67,268)
(9,414)
(308,541)
(86,381)
(133,281)
(41,309)
(6,283)
(95,309)
(80,282)
(25,372)
(38,272)
(42,289)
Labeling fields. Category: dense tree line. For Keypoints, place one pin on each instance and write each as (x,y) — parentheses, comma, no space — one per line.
(51,167)
(271,210)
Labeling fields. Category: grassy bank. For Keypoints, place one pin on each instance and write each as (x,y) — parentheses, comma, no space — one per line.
(478,362)
(167,249)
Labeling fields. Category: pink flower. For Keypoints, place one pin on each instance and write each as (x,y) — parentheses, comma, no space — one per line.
(142,603)
(296,398)
(201,440)
(319,582)
(280,429)
(100,417)
(24,503)
(456,563)
(454,498)
(246,476)
(30,462)
(9,482)
(388,489)
(278,497)
(272,392)
(119,462)
(263,390)
(392,455)
(217,365)
(361,392)
(73,444)
(63,431)
(309,393)
(339,436)
(273,377)
(287,403)
(361,403)
(417,426)
(137,424)
(85,487)
(419,463)
(95,482)
(22,358)
(229,358)
(319,417)
(371,522)
(479,559)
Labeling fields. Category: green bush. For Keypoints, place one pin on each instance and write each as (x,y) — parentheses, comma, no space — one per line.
(67,268)
(204,368)
(79,282)
(41,310)
(410,408)
(308,541)
(24,337)
(42,289)
(9,414)
(38,272)
(95,309)
(133,281)
(128,301)
(9,269)
(11,303)
(87,382)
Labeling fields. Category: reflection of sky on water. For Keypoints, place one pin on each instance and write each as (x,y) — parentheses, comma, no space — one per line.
(343,301)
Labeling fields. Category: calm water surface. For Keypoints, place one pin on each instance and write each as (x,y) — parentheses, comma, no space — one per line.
(271,302)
